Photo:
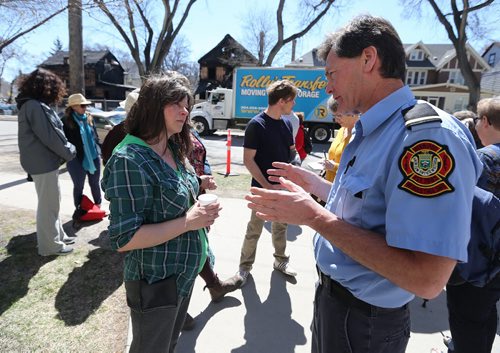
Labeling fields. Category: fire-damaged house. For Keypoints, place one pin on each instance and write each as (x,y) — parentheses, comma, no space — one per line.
(103,73)
(216,66)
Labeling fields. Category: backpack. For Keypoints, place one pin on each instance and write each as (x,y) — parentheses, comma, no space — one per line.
(308,146)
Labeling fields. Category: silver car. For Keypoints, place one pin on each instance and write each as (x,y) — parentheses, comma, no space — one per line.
(105,121)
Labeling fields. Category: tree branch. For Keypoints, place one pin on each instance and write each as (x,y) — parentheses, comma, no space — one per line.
(282,42)
(172,34)
(149,41)
(8,41)
(134,51)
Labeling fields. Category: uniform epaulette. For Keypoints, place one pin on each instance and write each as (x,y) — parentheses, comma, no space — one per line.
(420,113)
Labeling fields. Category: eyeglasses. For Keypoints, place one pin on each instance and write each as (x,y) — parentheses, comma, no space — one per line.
(83,106)
(477,119)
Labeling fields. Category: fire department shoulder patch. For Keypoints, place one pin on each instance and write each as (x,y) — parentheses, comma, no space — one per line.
(425,166)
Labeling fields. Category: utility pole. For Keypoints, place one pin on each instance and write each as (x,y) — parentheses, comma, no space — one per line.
(76,70)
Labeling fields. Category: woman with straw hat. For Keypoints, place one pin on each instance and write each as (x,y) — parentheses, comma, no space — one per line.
(81,132)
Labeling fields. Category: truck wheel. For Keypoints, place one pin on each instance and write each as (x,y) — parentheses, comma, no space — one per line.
(320,133)
(201,126)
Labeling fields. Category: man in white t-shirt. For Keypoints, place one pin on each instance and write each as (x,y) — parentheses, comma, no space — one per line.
(294,119)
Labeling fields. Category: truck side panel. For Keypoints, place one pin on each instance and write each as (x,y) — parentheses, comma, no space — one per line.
(250,96)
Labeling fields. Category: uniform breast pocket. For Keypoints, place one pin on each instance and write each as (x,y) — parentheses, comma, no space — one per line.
(354,191)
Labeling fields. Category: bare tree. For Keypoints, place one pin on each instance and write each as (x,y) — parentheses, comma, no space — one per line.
(177,59)
(457,23)
(20,17)
(5,56)
(11,53)
(269,41)
(149,52)
(260,33)
(57,46)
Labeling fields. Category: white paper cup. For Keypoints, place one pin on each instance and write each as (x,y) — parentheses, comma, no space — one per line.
(207,199)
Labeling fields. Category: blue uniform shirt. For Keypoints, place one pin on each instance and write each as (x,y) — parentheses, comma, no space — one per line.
(428,210)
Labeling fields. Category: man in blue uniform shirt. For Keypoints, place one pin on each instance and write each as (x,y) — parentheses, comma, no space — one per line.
(381,238)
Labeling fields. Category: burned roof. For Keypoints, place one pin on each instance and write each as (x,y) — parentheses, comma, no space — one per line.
(228,52)
(90,57)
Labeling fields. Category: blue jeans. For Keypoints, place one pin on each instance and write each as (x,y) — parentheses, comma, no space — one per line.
(345,324)
(78,174)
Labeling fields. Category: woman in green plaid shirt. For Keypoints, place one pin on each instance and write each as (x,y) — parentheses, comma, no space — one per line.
(154,215)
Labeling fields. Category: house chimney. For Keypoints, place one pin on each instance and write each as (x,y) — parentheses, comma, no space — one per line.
(294,45)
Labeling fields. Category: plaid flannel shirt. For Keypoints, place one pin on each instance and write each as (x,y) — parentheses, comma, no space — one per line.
(143,189)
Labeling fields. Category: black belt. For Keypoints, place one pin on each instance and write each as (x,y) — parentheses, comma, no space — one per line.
(344,295)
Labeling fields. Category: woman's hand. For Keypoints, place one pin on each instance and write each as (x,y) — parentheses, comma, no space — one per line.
(208,182)
(329,164)
(202,216)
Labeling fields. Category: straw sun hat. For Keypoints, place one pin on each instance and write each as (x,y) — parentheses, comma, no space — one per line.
(77,99)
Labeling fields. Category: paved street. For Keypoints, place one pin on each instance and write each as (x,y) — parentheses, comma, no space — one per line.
(271,313)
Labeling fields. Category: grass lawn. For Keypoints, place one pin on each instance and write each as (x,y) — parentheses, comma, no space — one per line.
(73,303)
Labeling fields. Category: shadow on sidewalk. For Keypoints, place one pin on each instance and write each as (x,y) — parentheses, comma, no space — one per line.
(292,231)
(268,324)
(89,285)
(432,318)
(17,270)
(188,339)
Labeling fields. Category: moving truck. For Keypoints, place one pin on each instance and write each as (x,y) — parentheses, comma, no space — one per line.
(225,108)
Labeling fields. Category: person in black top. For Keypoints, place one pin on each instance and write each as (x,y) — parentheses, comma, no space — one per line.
(268,138)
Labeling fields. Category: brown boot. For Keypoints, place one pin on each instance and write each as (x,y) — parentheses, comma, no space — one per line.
(221,288)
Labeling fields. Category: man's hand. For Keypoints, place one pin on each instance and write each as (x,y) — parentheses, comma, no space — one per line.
(306,179)
(292,205)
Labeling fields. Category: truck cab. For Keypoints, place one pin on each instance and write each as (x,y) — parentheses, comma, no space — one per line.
(214,113)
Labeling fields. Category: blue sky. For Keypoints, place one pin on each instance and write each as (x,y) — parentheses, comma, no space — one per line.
(210,20)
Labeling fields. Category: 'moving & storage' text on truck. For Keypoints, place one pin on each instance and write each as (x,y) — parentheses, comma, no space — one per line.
(226,108)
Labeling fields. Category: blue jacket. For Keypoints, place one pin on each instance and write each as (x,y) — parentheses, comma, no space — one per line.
(484,246)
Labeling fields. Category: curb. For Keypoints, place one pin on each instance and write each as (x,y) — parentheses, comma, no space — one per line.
(8,117)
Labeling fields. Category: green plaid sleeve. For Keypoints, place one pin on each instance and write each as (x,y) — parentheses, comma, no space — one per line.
(129,192)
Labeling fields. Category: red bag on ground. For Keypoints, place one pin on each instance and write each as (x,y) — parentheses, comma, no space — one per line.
(92,212)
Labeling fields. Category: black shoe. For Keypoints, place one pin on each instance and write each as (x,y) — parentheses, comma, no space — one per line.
(69,240)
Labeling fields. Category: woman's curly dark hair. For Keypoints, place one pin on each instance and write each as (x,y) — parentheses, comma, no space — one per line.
(42,85)
(145,119)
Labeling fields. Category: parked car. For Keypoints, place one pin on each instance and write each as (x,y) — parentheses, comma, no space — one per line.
(8,109)
(104,121)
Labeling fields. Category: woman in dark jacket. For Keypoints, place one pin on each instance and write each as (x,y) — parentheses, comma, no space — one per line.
(81,132)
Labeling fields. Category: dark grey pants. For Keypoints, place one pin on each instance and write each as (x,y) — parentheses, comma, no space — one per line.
(345,324)
(157,315)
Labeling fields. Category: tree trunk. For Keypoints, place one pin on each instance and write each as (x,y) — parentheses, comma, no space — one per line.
(262,38)
(471,80)
(76,70)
